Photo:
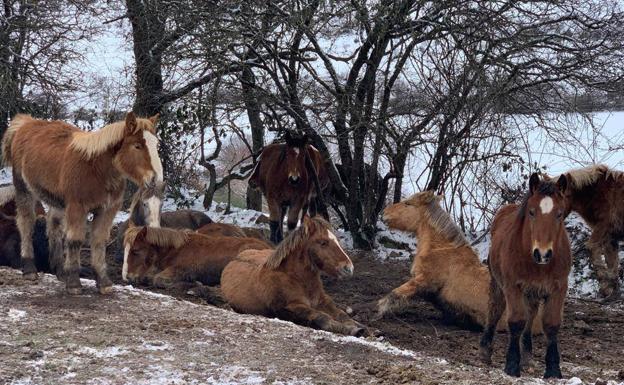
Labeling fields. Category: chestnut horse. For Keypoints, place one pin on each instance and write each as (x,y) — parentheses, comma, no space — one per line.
(596,193)
(180,219)
(286,282)
(163,256)
(445,269)
(292,175)
(529,261)
(77,173)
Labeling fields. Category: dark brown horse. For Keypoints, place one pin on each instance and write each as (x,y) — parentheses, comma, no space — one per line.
(290,175)
(286,282)
(77,173)
(163,256)
(597,194)
(10,238)
(529,262)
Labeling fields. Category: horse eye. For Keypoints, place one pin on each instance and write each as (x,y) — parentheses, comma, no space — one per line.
(559,215)
(137,146)
(324,242)
(531,213)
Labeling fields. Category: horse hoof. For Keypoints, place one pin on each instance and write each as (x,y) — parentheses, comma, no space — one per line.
(553,373)
(74,290)
(106,290)
(486,356)
(30,276)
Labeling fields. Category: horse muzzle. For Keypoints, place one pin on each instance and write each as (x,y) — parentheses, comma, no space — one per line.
(294,179)
(346,271)
(542,257)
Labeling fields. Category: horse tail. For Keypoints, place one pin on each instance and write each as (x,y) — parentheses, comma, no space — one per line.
(16,123)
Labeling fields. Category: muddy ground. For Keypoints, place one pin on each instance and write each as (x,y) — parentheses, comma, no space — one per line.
(592,338)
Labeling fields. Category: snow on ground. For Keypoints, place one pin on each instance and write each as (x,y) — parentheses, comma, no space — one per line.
(136,337)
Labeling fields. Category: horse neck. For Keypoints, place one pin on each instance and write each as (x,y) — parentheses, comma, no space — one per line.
(298,264)
(103,163)
(429,238)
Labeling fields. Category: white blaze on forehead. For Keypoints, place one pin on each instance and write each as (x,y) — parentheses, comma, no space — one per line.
(124,269)
(151,141)
(546,205)
(331,236)
(153,218)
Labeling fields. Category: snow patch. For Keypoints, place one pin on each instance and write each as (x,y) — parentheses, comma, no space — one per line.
(16,315)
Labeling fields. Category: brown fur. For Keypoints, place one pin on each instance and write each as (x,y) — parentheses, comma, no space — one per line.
(271,176)
(445,269)
(165,256)
(221,229)
(597,194)
(76,173)
(529,262)
(286,282)
(180,219)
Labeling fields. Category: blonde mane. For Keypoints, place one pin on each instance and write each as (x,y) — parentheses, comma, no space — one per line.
(92,144)
(294,240)
(7,194)
(586,176)
(441,222)
(158,236)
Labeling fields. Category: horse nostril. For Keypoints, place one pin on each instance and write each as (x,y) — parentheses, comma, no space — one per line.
(537,255)
(347,270)
(548,255)
(293,179)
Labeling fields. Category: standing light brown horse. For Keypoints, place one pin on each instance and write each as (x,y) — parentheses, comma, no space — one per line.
(77,173)
(164,256)
(530,261)
(597,194)
(445,269)
(290,175)
(286,282)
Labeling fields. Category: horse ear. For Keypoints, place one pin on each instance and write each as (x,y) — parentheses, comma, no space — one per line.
(562,183)
(305,221)
(287,137)
(131,123)
(154,120)
(534,181)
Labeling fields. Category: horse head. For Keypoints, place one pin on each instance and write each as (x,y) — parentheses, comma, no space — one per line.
(293,156)
(137,158)
(543,212)
(406,215)
(324,248)
(146,204)
(137,254)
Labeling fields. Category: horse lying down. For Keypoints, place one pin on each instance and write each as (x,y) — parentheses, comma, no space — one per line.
(9,235)
(286,282)
(163,256)
(445,270)
(181,219)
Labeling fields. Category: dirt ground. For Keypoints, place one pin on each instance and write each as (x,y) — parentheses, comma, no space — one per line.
(591,339)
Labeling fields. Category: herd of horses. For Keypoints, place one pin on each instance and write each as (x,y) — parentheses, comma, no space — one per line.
(78,174)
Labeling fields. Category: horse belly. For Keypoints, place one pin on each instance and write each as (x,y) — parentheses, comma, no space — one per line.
(241,288)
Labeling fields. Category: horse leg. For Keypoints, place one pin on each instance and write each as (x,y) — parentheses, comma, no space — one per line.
(613,266)
(303,314)
(25,218)
(553,308)
(293,215)
(496,308)
(516,322)
(54,232)
(328,306)
(275,220)
(596,246)
(75,223)
(100,233)
(532,304)
(399,297)
(166,278)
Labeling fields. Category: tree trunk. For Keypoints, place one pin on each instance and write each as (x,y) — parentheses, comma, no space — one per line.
(248,80)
